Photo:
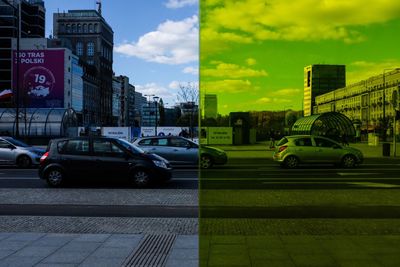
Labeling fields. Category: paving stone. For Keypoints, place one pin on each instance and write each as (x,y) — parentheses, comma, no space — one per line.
(186,241)
(272,263)
(102,262)
(56,265)
(14,261)
(312,260)
(358,263)
(184,254)
(185,263)
(53,240)
(228,239)
(388,259)
(92,237)
(111,252)
(228,249)
(115,241)
(264,242)
(229,260)
(70,257)
(24,237)
(13,245)
(5,235)
(6,253)
(268,254)
(81,246)
(35,251)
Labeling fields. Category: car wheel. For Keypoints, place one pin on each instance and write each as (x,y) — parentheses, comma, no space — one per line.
(205,162)
(24,161)
(54,177)
(141,178)
(348,161)
(291,162)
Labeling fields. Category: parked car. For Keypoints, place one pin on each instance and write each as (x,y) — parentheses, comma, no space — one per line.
(101,157)
(181,151)
(291,151)
(15,152)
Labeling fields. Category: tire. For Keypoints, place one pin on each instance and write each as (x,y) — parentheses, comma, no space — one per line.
(141,178)
(54,177)
(24,162)
(291,162)
(206,162)
(348,161)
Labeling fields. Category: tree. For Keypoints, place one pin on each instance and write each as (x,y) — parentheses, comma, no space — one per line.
(189,96)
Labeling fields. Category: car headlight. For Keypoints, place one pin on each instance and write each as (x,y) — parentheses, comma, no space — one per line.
(160,164)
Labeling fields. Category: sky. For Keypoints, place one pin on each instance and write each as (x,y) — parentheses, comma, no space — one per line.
(253,52)
(156,42)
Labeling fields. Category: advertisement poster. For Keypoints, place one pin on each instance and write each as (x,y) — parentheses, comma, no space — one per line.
(117,132)
(41,77)
(219,135)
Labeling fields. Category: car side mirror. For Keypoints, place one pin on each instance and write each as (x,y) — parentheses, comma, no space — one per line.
(11,147)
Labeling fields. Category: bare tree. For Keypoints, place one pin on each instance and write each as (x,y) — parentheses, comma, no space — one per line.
(189,95)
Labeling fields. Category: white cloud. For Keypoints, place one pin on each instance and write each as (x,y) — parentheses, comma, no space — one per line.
(154,89)
(180,3)
(191,70)
(176,84)
(174,42)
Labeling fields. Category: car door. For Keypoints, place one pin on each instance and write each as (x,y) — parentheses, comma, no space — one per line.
(112,161)
(327,150)
(304,149)
(7,152)
(182,151)
(76,158)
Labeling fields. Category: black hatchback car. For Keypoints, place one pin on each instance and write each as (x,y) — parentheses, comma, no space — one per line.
(101,157)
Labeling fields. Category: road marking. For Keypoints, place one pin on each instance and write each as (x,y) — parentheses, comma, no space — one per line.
(357,173)
(369,184)
(16,178)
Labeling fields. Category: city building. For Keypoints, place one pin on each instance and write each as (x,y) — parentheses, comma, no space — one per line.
(140,101)
(126,101)
(367,103)
(149,114)
(32,26)
(320,79)
(116,101)
(210,106)
(92,40)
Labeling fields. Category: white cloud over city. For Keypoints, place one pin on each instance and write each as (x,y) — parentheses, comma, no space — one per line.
(174,4)
(173,42)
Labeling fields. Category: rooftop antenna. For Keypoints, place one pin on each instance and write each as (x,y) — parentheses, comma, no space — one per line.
(98,2)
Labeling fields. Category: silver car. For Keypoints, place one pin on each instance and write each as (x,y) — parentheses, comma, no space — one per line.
(291,151)
(15,152)
(181,151)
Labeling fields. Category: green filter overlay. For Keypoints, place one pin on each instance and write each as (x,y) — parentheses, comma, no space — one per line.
(252,211)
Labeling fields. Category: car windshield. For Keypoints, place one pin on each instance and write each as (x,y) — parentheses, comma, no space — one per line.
(16,142)
(130,146)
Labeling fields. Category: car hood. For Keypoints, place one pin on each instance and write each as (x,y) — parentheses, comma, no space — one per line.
(354,150)
(152,156)
(34,149)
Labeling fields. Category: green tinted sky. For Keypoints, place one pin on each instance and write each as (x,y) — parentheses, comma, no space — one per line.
(252,52)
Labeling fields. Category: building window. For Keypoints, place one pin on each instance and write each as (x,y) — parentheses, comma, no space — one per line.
(91,28)
(62,27)
(79,28)
(68,28)
(95,27)
(73,28)
(90,49)
(85,28)
(79,49)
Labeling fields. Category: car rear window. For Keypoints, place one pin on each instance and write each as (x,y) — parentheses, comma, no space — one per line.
(282,141)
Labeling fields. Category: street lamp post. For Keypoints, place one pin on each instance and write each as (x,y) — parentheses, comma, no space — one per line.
(17,12)
(155,98)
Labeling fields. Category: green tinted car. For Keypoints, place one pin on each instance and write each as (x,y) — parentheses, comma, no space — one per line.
(291,151)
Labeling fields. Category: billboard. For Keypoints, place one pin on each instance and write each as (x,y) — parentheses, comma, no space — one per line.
(216,135)
(117,132)
(41,77)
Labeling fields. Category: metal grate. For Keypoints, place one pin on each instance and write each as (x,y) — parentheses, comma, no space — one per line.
(152,251)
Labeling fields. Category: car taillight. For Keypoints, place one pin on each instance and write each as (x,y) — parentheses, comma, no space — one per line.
(45,155)
(282,148)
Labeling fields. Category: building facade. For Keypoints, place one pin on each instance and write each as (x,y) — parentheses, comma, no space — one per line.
(126,104)
(140,101)
(32,14)
(210,106)
(320,79)
(92,40)
(367,102)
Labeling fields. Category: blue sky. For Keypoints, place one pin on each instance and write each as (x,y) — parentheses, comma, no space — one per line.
(155,41)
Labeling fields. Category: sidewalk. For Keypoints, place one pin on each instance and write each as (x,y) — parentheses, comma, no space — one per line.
(50,249)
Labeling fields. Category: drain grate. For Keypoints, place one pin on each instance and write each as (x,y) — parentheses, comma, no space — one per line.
(152,251)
